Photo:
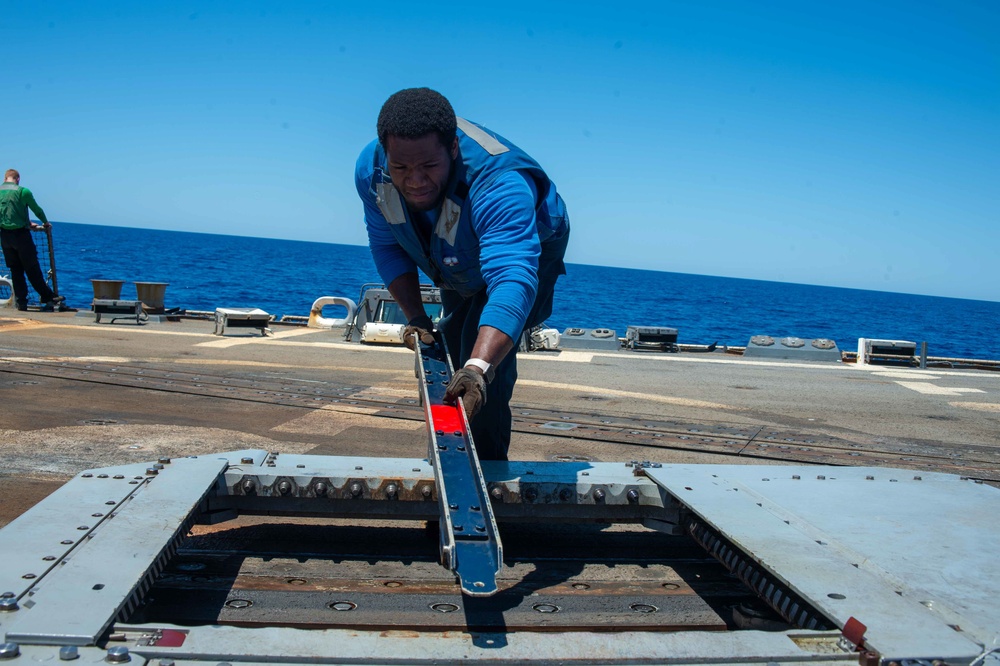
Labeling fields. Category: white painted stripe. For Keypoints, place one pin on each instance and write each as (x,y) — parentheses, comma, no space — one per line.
(565,357)
(489,144)
(978,406)
(254,338)
(929,389)
(908,374)
(143,330)
(651,397)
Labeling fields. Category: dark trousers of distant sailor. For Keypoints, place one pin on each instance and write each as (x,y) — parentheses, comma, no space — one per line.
(21,255)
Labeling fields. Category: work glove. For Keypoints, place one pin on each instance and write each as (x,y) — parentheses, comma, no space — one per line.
(471,387)
(419,327)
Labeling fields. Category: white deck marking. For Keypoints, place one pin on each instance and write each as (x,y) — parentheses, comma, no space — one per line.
(329,422)
(252,339)
(67,359)
(652,397)
(564,356)
(264,364)
(929,389)
(116,328)
(978,406)
(586,357)
(908,374)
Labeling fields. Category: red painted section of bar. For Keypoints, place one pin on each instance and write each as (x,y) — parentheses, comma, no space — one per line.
(446,417)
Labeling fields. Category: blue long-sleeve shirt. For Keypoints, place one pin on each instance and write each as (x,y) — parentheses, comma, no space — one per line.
(503,218)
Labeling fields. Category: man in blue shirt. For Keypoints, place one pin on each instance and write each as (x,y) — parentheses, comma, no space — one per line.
(482,219)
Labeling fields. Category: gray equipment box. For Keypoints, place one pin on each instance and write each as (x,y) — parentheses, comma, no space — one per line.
(799,349)
(116,309)
(653,338)
(892,348)
(894,352)
(241,318)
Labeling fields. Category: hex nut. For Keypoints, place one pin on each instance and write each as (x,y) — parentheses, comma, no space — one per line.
(117,655)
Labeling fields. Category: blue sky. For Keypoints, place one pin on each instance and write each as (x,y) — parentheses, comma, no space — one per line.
(852,144)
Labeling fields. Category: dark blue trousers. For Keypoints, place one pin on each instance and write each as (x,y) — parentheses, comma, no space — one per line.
(460,327)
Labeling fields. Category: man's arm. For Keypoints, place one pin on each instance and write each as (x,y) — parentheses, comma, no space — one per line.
(29,199)
(492,345)
(504,219)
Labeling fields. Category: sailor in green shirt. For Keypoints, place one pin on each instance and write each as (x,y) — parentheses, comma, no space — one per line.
(19,249)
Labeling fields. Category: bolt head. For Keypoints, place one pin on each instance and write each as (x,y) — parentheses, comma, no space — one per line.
(117,655)
(68,652)
(8,604)
(9,650)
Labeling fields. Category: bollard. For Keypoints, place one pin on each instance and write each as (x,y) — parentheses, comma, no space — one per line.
(151,294)
(107,289)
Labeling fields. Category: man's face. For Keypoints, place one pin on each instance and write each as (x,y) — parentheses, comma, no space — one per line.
(420,168)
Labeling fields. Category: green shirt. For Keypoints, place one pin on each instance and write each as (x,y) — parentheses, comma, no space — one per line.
(14,204)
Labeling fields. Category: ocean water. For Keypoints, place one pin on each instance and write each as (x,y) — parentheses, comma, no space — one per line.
(284,277)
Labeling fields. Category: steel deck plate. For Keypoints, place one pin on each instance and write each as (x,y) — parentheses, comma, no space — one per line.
(111,570)
(847,539)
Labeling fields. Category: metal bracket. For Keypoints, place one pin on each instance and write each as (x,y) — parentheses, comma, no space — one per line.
(470,542)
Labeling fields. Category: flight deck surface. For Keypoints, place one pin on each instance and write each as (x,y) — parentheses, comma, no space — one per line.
(645,487)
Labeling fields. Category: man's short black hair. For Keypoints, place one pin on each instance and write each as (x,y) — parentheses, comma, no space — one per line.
(417,112)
